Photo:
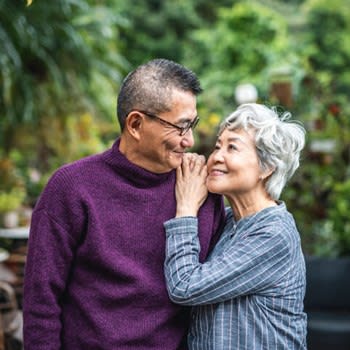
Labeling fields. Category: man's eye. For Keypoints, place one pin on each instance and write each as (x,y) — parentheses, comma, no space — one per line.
(184,125)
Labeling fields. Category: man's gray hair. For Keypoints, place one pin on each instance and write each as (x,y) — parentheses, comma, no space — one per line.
(149,87)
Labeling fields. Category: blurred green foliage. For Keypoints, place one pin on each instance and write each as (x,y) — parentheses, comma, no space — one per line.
(61,64)
(244,45)
(322,103)
(55,57)
(161,28)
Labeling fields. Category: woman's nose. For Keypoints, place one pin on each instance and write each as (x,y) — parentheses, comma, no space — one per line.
(217,156)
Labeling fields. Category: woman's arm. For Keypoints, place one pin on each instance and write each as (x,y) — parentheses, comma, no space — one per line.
(253,264)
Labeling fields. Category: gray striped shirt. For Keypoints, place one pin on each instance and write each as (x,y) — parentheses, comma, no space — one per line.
(249,293)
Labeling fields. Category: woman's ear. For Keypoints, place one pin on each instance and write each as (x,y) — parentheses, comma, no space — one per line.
(133,124)
(266,174)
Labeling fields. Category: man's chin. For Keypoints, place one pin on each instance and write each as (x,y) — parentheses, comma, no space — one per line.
(175,162)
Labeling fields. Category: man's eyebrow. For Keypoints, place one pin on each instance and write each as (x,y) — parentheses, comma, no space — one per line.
(186,119)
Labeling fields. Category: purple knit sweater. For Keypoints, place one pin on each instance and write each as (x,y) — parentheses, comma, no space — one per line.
(94,273)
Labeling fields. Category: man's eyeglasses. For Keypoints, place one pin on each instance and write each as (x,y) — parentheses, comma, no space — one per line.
(182,129)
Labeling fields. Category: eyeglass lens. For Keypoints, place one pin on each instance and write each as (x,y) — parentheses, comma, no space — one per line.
(190,125)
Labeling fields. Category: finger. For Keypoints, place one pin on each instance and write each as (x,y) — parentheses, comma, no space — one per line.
(203,171)
(191,160)
(199,164)
(179,172)
(185,166)
(202,159)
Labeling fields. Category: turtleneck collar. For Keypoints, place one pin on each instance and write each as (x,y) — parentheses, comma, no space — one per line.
(131,172)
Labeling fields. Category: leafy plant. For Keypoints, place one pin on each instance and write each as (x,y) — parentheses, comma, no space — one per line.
(55,61)
(244,44)
(11,200)
(319,194)
(338,217)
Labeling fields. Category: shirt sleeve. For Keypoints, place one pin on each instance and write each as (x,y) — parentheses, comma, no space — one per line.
(251,265)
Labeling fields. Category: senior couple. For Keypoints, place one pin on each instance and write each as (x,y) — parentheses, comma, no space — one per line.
(133,248)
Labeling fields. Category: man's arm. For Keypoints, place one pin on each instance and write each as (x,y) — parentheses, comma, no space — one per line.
(50,254)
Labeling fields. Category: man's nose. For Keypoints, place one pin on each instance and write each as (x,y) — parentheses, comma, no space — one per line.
(188,139)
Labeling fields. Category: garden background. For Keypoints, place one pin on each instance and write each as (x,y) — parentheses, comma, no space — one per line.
(62,62)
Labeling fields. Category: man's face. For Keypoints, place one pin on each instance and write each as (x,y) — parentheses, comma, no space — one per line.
(161,145)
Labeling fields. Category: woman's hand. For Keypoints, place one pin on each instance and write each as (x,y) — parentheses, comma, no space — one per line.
(191,190)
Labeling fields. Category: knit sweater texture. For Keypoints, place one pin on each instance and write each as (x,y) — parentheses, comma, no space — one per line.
(94,274)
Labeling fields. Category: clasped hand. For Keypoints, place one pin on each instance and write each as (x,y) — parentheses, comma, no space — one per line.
(191,190)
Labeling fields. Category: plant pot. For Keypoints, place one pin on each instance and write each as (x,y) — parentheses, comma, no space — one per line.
(10,219)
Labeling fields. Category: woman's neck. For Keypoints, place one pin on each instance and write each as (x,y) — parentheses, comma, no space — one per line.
(243,206)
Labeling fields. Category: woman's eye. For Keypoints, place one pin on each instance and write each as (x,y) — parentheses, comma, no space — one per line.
(232,147)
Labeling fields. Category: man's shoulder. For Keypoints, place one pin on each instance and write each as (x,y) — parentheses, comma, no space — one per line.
(70,176)
(79,166)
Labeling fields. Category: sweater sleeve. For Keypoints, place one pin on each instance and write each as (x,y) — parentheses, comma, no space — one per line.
(250,265)
(50,254)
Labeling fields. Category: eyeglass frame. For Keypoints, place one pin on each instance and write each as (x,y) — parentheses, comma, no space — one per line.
(183,130)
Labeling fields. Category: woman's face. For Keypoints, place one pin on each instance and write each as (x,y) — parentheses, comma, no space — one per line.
(233,166)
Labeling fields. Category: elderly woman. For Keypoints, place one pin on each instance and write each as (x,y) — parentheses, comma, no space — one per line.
(249,293)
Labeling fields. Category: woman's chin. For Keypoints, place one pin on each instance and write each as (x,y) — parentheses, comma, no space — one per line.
(212,188)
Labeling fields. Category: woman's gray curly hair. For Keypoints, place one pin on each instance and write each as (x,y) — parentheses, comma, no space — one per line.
(278,140)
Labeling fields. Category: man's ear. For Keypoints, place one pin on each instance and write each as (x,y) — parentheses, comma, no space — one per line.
(133,124)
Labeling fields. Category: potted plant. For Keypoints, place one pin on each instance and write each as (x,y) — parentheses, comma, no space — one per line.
(10,204)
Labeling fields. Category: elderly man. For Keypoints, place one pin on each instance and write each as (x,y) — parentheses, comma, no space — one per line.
(94,273)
